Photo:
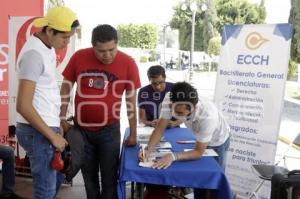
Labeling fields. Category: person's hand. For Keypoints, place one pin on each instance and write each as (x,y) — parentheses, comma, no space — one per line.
(154,123)
(164,162)
(171,124)
(130,141)
(65,125)
(59,142)
(143,156)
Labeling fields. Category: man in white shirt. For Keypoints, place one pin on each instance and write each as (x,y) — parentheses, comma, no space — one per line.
(203,118)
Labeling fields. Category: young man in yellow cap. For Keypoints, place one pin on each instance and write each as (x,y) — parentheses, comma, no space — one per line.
(38,99)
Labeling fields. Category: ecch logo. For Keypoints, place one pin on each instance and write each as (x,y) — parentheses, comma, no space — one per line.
(254,40)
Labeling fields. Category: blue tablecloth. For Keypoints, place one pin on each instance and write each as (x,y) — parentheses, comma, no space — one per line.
(203,173)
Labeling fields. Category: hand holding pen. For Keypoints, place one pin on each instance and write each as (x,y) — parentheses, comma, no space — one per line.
(143,153)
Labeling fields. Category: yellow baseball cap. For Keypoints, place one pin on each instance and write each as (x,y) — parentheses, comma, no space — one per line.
(59,18)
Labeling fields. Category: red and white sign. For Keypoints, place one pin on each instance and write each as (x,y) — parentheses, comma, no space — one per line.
(11,8)
(20,29)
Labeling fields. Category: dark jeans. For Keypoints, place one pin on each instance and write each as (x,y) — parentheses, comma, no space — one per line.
(221,159)
(102,150)
(8,168)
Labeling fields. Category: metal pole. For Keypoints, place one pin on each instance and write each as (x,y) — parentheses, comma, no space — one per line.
(192,45)
(164,47)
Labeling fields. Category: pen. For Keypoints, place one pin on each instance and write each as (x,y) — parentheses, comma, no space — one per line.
(143,152)
(186,142)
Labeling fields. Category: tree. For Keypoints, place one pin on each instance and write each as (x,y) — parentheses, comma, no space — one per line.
(52,3)
(295,20)
(214,46)
(204,25)
(239,12)
(138,36)
(211,22)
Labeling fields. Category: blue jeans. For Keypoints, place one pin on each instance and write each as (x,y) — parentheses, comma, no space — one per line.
(221,151)
(8,168)
(46,181)
(102,150)
(221,159)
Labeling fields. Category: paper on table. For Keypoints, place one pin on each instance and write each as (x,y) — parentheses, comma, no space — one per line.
(153,156)
(143,134)
(207,152)
(146,164)
(146,130)
(164,145)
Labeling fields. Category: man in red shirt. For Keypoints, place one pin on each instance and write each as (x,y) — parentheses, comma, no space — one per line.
(102,74)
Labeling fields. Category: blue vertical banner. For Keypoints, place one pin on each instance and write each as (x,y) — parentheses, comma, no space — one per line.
(249,91)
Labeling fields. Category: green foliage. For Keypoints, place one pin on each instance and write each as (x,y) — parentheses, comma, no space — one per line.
(210,23)
(143,59)
(214,46)
(138,36)
(239,12)
(295,20)
(204,25)
(292,73)
(53,3)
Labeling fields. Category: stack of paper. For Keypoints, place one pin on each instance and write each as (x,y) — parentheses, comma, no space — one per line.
(164,145)
(145,130)
(144,134)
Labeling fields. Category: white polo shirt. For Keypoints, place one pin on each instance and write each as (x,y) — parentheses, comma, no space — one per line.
(207,123)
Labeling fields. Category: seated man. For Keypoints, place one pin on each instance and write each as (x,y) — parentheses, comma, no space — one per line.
(151,96)
(7,156)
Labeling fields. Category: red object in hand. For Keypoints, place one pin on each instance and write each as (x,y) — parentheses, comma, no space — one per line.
(57,163)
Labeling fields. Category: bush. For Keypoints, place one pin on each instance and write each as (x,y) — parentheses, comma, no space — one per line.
(292,73)
(143,59)
(214,46)
(153,56)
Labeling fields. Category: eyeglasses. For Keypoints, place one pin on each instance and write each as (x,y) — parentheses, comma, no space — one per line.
(157,83)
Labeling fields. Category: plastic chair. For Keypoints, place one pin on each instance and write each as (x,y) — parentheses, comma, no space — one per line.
(265,172)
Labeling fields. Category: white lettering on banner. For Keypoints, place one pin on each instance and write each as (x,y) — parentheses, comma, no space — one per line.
(3,54)
(3,93)
(1,73)
(3,101)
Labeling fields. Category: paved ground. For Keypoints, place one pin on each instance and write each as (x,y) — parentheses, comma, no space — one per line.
(205,83)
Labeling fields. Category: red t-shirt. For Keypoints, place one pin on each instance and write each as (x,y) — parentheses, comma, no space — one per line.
(100,87)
